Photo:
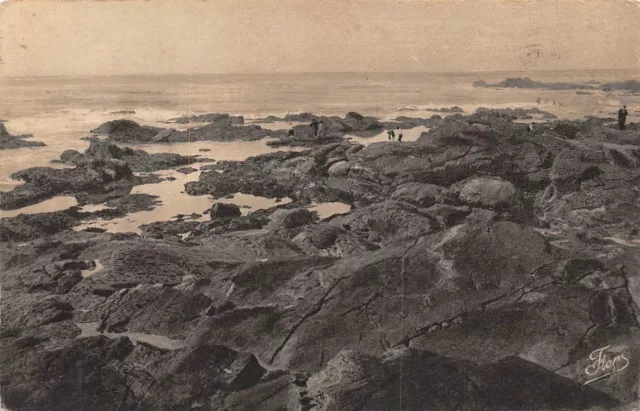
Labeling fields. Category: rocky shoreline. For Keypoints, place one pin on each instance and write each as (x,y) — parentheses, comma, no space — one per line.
(478,268)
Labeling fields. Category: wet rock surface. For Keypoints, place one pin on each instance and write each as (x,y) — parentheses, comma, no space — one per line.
(479,268)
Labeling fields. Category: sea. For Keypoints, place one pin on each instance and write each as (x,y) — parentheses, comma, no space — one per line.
(324,93)
(60,110)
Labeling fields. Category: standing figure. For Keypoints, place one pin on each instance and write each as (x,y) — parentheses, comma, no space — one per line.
(622,117)
(399,133)
(321,130)
(314,124)
(291,130)
(391,135)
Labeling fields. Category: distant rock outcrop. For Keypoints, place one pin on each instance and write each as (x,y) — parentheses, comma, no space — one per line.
(526,82)
(630,85)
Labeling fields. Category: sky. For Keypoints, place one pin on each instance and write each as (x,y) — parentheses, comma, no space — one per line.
(103,37)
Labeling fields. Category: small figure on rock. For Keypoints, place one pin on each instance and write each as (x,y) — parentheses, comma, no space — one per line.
(291,130)
(314,125)
(399,133)
(391,134)
(530,127)
(622,117)
(321,130)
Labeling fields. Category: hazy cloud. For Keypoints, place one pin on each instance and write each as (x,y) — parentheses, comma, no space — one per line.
(137,36)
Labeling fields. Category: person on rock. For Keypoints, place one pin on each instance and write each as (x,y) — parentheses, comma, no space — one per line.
(391,134)
(399,133)
(291,130)
(622,117)
(322,130)
(314,125)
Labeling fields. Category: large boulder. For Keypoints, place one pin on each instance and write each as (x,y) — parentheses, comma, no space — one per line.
(488,193)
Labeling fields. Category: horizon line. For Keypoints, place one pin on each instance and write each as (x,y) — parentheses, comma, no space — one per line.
(311,72)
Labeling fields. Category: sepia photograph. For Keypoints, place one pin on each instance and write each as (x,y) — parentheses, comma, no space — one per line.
(331,205)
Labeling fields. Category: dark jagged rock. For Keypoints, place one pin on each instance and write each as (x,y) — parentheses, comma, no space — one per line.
(7,141)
